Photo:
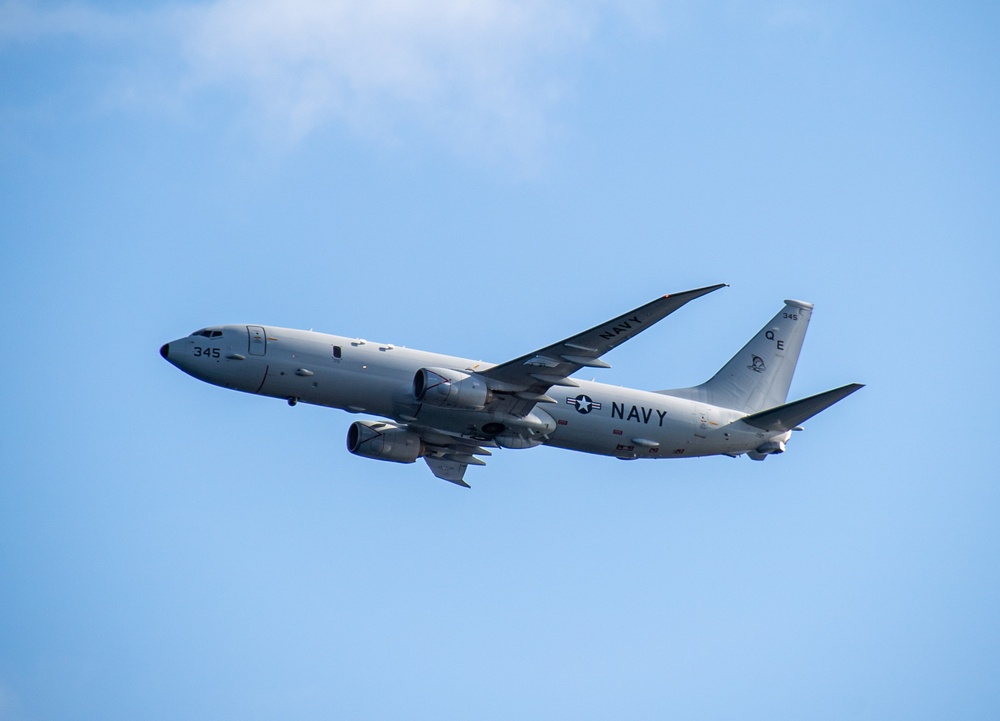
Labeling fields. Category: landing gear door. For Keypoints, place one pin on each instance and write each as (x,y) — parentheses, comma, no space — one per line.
(258,340)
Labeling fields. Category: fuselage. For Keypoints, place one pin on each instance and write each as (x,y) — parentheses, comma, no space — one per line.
(377,378)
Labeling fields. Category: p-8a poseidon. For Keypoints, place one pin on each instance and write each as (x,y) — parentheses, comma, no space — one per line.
(451,411)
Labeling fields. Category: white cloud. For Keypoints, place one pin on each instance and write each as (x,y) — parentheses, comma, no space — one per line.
(477,71)
(485,75)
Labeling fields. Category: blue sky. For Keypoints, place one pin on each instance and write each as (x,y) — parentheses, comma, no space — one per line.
(481,179)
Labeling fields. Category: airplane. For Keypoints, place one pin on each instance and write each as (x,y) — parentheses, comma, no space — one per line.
(451,411)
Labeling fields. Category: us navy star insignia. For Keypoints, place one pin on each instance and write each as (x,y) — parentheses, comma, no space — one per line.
(584,404)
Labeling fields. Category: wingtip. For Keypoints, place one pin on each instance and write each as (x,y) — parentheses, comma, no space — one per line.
(700,291)
(849,388)
(710,288)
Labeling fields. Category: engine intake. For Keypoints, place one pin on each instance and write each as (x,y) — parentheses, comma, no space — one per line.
(384,442)
(447,388)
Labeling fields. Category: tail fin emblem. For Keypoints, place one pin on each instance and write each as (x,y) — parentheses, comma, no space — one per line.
(758,364)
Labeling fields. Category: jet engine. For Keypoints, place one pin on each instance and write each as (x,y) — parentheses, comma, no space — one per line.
(384,442)
(448,388)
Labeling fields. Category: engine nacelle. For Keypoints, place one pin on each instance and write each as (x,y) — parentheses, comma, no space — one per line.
(446,388)
(771,448)
(384,441)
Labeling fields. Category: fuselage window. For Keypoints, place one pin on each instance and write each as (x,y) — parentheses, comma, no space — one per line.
(337,352)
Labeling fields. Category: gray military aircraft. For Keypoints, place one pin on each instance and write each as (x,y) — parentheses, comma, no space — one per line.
(451,411)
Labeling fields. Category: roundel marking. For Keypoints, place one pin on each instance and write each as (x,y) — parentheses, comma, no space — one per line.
(584,404)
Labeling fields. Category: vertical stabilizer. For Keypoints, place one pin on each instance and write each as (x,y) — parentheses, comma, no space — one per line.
(758,377)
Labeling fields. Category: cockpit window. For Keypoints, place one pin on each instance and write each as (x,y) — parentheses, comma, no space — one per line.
(206,333)
(216,333)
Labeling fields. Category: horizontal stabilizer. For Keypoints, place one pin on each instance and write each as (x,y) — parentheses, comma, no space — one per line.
(790,415)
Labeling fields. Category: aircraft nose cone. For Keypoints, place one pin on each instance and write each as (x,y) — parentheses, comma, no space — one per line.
(165,350)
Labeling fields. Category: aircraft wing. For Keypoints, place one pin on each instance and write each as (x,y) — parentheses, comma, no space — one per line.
(451,471)
(448,456)
(528,378)
(521,383)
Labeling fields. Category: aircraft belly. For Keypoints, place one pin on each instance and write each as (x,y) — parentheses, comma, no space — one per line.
(358,392)
(609,439)
(611,421)
(335,388)
(625,423)
(592,418)
(243,376)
